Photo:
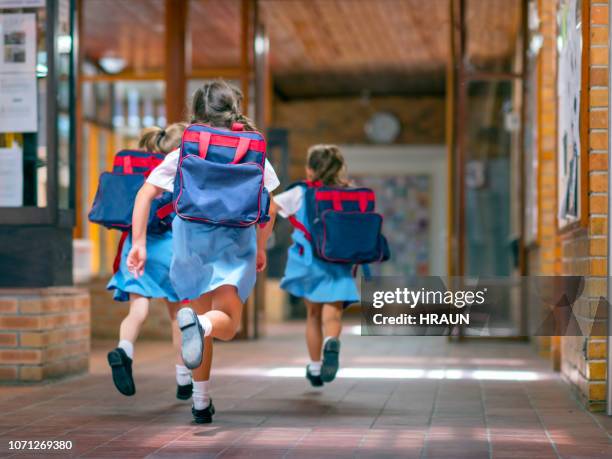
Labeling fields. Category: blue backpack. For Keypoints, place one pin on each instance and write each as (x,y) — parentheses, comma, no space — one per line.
(344,228)
(114,201)
(220,177)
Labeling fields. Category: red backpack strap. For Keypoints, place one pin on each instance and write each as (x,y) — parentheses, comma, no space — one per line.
(204,143)
(127,165)
(242,149)
(300,227)
(165,210)
(117,261)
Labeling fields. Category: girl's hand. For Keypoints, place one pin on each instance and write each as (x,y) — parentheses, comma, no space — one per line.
(262,260)
(136,259)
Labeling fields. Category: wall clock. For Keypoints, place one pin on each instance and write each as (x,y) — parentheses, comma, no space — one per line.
(383,127)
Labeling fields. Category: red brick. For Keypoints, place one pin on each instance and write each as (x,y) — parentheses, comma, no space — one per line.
(598,161)
(598,98)
(20,322)
(598,119)
(31,373)
(598,182)
(599,56)
(8,373)
(8,339)
(599,35)
(598,140)
(598,204)
(599,14)
(20,356)
(31,306)
(599,76)
(8,306)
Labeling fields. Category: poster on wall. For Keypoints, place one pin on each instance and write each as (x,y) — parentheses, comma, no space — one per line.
(11,176)
(569,44)
(21,3)
(18,111)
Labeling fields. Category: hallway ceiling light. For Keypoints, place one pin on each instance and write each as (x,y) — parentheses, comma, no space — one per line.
(112,64)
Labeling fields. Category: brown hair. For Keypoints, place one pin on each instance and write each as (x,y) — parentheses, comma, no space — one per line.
(327,165)
(218,103)
(157,140)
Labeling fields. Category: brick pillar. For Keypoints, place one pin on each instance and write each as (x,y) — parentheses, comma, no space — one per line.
(584,250)
(44,333)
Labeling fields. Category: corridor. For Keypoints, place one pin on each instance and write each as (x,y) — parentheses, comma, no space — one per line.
(395,397)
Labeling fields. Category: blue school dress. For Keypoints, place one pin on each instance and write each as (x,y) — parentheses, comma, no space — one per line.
(155,282)
(307,276)
(206,257)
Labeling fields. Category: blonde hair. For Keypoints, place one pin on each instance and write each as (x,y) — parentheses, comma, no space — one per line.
(157,140)
(327,165)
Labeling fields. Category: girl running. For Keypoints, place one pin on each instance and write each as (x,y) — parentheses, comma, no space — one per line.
(213,266)
(325,287)
(153,283)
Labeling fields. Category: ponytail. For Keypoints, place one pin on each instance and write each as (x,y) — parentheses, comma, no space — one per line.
(157,140)
(219,104)
(327,165)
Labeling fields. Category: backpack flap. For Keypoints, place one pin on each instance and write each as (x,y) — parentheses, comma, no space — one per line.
(220,177)
(114,200)
(345,228)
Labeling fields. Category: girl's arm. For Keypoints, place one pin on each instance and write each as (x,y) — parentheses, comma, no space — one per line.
(140,216)
(263,234)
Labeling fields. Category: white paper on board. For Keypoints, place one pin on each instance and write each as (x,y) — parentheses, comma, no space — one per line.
(11,176)
(18,103)
(18,90)
(21,3)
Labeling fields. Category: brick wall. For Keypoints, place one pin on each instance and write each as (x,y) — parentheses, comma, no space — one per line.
(342,121)
(584,249)
(43,333)
(107,315)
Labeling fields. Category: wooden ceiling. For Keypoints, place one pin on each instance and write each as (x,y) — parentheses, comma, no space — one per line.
(317,47)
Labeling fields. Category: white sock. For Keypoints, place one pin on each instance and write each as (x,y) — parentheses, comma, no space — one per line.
(183,375)
(314,367)
(206,324)
(128,347)
(200,396)
(327,338)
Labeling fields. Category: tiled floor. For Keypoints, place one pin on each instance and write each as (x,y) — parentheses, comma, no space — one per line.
(396,397)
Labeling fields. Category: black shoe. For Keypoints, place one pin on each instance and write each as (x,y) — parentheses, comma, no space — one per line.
(331,360)
(203,416)
(121,365)
(315,380)
(184,392)
(192,344)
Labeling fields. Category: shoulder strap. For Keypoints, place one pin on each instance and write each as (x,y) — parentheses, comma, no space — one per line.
(305,184)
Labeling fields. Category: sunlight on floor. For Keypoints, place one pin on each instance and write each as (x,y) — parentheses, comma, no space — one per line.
(392,373)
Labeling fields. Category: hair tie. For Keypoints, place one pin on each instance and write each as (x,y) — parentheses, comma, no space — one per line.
(161,135)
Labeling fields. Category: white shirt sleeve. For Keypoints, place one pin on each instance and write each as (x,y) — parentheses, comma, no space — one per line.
(163,175)
(290,201)
(271,181)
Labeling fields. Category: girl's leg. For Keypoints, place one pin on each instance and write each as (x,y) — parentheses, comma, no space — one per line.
(314,341)
(314,334)
(130,326)
(202,404)
(332,319)
(184,384)
(198,327)
(332,326)
(176,333)
(120,359)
